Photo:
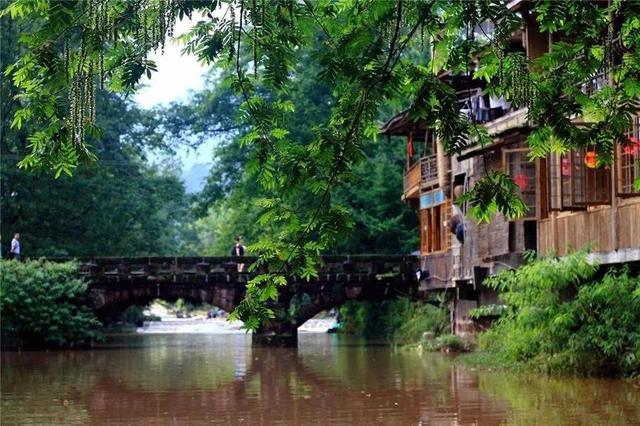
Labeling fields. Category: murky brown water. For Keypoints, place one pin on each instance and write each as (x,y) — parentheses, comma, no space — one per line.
(221,379)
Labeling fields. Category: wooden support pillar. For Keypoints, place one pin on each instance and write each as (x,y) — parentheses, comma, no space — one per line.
(443,168)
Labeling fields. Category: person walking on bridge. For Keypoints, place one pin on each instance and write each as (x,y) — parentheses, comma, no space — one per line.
(238,251)
(14,251)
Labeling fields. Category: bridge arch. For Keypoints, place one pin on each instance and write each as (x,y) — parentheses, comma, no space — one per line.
(107,301)
(115,283)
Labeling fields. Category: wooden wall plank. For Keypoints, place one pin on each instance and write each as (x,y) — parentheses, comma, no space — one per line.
(577,230)
(628,218)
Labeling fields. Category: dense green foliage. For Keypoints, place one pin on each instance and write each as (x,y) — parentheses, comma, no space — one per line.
(562,317)
(118,206)
(360,47)
(381,222)
(43,304)
(399,321)
(229,204)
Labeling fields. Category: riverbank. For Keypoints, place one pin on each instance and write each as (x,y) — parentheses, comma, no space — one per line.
(564,316)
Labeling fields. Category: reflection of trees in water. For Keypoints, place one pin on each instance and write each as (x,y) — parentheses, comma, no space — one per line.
(542,400)
(428,387)
(174,362)
(38,383)
(35,386)
(222,379)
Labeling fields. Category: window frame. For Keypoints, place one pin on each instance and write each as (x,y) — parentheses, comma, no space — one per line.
(434,236)
(634,164)
(561,189)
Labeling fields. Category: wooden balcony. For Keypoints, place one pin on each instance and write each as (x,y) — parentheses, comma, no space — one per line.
(428,171)
(422,174)
(412,182)
(511,120)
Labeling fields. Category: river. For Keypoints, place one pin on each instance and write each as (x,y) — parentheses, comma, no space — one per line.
(218,378)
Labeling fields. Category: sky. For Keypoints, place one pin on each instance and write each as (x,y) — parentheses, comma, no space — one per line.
(177,76)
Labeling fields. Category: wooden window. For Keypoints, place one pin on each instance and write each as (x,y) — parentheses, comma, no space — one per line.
(573,186)
(554,179)
(598,186)
(523,173)
(629,161)
(434,236)
(572,180)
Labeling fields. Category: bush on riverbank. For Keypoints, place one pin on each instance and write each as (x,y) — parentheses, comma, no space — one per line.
(134,316)
(43,304)
(562,318)
(445,343)
(400,320)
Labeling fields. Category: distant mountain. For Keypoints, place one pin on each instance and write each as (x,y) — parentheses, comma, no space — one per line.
(195,178)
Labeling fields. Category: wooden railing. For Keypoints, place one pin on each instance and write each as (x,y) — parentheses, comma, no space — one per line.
(511,120)
(412,181)
(225,269)
(592,229)
(422,173)
(428,170)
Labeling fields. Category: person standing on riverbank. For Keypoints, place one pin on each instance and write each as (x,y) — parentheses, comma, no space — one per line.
(14,252)
(238,251)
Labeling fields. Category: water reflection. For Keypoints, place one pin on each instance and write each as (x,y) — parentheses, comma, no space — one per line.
(220,379)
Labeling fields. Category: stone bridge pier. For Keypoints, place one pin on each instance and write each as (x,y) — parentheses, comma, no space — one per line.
(116,283)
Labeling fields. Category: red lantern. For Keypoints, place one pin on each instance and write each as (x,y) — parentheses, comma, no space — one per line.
(564,167)
(633,148)
(591,159)
(522,181)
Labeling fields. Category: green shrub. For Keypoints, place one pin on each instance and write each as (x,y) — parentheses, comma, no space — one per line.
(299,305)
(445,343)
(400,320)
(134,315)
(355,317)
(422,318)
(562,318)
(450,341)
(43,304)
(485,311)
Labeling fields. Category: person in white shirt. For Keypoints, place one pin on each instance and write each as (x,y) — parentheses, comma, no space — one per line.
(15,247)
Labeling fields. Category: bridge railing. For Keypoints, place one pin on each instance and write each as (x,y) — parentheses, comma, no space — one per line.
(225,267)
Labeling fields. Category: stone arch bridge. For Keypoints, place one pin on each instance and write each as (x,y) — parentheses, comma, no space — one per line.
(116,283)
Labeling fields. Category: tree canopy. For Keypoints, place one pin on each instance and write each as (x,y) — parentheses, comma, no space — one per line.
(118,205)
(360,48)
